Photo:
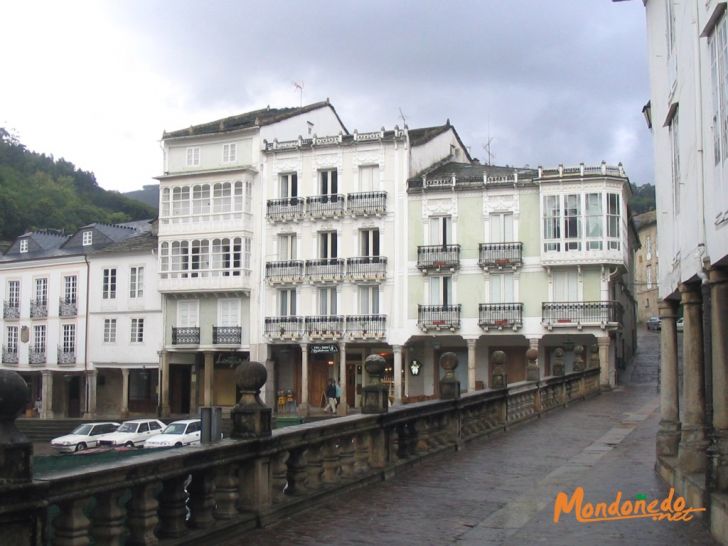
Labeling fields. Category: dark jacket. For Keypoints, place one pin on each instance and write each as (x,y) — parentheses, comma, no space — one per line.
(331,391)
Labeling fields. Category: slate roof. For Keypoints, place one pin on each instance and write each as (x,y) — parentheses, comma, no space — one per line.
(645,219)
(423,135)
(139,243)
(475,170)
(115,232)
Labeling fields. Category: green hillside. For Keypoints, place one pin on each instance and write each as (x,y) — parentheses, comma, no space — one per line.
(38,191)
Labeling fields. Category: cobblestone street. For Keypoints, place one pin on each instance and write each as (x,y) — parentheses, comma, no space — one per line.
(501,490)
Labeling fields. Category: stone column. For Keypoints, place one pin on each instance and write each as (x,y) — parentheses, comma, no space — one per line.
(303,406)
(719,328)
(164,387)
(471,364)
(604,371)
(668,435)
(124,392)
(342,409)
(407,374)
(209,377)
(691,450)
(46,411)
(91,389)
(397,374)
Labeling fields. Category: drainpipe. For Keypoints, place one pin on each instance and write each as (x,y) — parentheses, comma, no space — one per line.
(85,351)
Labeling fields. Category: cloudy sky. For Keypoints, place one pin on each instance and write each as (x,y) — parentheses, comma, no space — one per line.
(559,81)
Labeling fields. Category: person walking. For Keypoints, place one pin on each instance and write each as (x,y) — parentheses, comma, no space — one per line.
(330,397)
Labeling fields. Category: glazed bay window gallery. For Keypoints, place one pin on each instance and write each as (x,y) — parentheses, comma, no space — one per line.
(205,202)
(575,222)
(206,258)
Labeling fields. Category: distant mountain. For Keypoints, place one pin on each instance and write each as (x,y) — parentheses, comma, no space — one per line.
(148,195)
(643,198)
(38,191)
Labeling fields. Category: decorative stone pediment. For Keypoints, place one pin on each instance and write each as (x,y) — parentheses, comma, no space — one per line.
(439,206)
(500,203)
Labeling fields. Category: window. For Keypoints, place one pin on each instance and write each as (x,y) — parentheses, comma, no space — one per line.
(12,339)
(137,330)
(501,227)
(287,246)
(23,246)
(229,152)
(329,182)
(248,196)
(648,271)
(237,197)
(187,313)
(501,288)
(39,338)
(675,149)
(287,302)
(552,223)
(440,290)
(613,221)
(193,156)
(222,197)
(164,212)
(327,300)
(181,201)
(228,312)
(110,330)
(109,285)
(88,237)
(288,185)
(143,427)
(670,35)
(718,45)
(440,230)
(70,288)
(247,252)
(154,425)
(566,285)
(594,221)
(201,199)
(368,300)
(328,244)
(136,282)
(369,178)
(69,338)
(14,293)
(41,291)
(369,242)
(572,222)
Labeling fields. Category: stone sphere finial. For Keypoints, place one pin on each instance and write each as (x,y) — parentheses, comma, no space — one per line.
(578,350)
(375,365)
(532,354)
(559,352)
(498,358)
(595,349)
(14,395)
(250,377)
(448,362)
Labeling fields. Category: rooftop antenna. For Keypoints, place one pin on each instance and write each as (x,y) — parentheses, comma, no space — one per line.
(402,117)
(299,86)
(488,148)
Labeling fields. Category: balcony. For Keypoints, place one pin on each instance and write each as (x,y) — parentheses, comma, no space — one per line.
(500,255)
(325,327)
(438,317)
(186,336)
(438,258)
(497,316)
(36,358)
(38,308)
(227,335)
(67,308)
(11,310)
(10,357)
(367,268)
(366,326)
(367,203)
(284,327)
(325,270)
(66,356)
(578,314)
(325,206)
(284,272)
(284,210)
(206,281)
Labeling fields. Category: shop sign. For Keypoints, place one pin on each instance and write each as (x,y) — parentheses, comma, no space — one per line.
(323,348)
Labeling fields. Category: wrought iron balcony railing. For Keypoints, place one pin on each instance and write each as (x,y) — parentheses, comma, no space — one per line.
(366,268)
(227,335)
(186,336)
(284,210)
(287,271)
(573,313)
(66,356)
(325,326)
(291,327)
(10,356)
(325,269)
(325,206)
(366,326)
(11,310)
(438,258)
(500,255)
(367,203)
(67,308)
(438,317)
(36,358)
(38,308)
(496,316)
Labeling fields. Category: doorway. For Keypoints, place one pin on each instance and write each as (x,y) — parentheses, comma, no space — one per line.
(318,378)
(179,389)
(74,396)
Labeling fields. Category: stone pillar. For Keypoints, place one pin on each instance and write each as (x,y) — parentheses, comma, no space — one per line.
(604,372)
(499,378)
(375,396)
(397,374)
(164,387)
(343,408)
(471,364)
(124,392)
(719,328)
(407,374)
(303,406)
(668,435)
(449,385)
(691,450)
(532,371)
(46,411)
(209,377)
(557,366)
(91,390)
(251,418)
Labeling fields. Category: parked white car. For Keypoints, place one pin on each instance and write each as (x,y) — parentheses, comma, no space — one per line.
(83,437)
(133,433)
(177,434)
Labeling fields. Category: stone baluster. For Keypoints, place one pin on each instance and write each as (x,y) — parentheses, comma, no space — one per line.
(226,492)
(330,452)
(594,356)
(141,515)
(108,519)
(202,499)
(347,451)
(254,486)
(71,527)
(558,366)
(279,473)
(423,444)
(297,474)
(314,467)
(449,385)
(499,377)
(173,507)
(361,464)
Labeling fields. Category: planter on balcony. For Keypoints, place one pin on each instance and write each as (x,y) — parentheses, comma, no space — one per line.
(601,313)
(367,203)
(284,327)
(500,255)
(325,269)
